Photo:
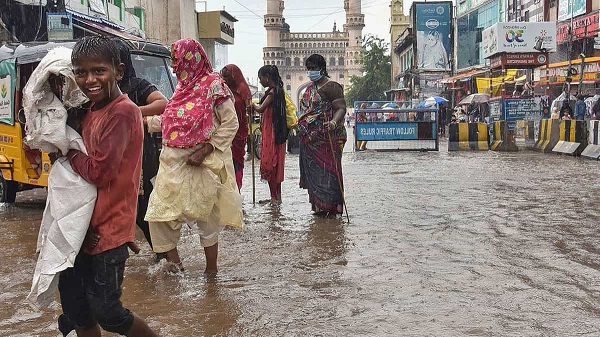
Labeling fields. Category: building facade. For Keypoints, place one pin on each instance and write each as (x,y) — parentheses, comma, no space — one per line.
(26,20)
(288,50)
(424,51)
(399,23)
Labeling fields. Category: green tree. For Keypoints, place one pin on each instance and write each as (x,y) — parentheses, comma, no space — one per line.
(376,69)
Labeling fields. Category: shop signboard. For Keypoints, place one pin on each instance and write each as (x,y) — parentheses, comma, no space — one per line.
(570,8)
(216,25)
(514,109)
(433,22)
(585,26)
(60,26)
(518,37)
(519,60)
(591,72)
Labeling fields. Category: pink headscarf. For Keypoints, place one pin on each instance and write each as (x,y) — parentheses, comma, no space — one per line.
(187,120)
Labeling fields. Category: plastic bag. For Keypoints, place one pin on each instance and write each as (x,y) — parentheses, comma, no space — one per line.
(290,112)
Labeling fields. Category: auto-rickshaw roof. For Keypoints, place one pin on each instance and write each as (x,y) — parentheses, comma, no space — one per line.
(30,52)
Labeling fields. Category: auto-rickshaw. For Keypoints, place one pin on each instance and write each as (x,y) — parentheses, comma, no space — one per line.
(22,168)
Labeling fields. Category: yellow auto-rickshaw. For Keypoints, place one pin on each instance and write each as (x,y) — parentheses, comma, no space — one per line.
(22,168)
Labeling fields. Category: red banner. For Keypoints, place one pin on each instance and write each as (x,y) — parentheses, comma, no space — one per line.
(584,26)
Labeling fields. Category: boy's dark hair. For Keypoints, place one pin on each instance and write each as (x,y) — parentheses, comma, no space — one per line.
(271,72)
(319,61)
(96,46)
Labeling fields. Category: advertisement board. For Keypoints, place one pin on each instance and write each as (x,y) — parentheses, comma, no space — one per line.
(433,22)
(518,37)
(8,77)
(565,11)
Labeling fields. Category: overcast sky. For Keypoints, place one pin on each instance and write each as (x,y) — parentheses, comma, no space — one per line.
(301,15)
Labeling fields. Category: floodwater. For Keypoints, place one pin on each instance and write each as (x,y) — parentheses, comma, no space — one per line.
(438,244)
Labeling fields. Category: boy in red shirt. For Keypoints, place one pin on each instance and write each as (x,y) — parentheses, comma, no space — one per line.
(90,292)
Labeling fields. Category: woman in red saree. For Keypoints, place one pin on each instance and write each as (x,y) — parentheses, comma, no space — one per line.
(274,130)
(241,92)
(322,138)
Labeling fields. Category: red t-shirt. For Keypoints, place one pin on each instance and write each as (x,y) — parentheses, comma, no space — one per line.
(113,137)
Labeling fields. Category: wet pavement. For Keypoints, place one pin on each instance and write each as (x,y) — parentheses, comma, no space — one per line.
(438,244)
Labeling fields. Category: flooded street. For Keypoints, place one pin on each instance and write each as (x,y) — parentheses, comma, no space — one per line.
(438,244)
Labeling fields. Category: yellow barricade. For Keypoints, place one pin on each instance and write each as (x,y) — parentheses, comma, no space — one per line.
(503,139)
(572,137)
(549,135)
(467,136)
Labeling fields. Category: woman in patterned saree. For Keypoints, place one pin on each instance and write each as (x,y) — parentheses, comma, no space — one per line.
(322,138)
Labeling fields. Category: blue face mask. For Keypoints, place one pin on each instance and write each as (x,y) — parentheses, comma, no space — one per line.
(314,75)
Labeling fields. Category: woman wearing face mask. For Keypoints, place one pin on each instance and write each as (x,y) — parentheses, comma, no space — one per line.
(322,138)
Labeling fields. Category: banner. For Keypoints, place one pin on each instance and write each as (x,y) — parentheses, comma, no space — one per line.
(433,22)
(7,91)
(565,11)
(518,37)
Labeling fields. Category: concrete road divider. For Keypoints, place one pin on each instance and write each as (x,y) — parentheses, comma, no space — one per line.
(503,139)
(467,136)
(572,137)
(549,135)
(593,148)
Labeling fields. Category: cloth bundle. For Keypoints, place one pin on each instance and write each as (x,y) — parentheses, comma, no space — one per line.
(45,114)
(71,199)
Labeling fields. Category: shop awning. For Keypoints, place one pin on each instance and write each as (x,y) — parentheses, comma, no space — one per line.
(462,77)
(99,20)
(101,28)
(483,83)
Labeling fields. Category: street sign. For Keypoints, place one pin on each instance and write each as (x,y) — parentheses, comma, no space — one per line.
(60,26)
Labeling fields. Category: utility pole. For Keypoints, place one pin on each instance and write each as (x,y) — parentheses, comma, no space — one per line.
(570,48)
(582,59)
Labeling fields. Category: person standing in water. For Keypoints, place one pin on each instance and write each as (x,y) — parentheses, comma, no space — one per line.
(90,292)
(195,180)
(274,130)
(241,92)
(322,138)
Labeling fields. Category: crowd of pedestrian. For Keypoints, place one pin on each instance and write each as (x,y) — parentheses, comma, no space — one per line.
(160,163)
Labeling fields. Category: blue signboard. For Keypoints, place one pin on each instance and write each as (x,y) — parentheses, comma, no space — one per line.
(394,130)
(433,23)
(514,109)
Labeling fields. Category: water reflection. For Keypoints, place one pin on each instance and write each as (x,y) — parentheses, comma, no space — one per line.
(326,239)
